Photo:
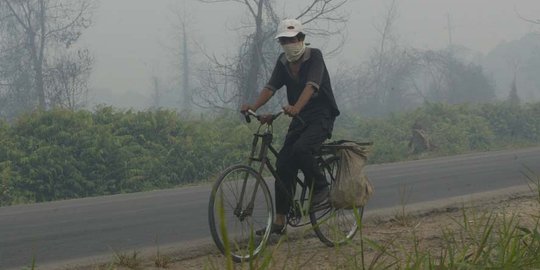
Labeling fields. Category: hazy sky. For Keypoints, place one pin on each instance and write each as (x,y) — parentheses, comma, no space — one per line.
(130,39)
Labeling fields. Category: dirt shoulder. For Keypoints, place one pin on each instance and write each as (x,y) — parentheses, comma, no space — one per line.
(406,227)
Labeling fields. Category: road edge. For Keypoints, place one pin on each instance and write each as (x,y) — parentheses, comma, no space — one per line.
(205,246)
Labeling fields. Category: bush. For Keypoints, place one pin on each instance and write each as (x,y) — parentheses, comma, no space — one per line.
(62,154)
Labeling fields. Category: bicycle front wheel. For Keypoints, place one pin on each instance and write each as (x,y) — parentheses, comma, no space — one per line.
(240,204)
(335,226)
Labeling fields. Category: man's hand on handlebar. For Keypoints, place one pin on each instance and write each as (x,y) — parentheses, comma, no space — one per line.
(248,111)
(245,107)
(291,111)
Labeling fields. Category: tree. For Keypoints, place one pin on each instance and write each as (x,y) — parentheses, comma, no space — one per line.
(186,87)
(182,56)
(157,93)
(454,81)
(237,79)
(397,78)
(67,79)
(15,73)
(46,30)
(513,97)
(385,82)
(519,58)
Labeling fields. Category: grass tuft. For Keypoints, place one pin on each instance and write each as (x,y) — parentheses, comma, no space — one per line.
(162,261)
(131,261)
(402,217)
(533,181)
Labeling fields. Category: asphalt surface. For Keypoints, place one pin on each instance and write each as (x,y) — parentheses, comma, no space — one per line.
(75,229)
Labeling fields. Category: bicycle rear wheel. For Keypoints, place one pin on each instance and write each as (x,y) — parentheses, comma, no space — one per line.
(240,204)
(335,226)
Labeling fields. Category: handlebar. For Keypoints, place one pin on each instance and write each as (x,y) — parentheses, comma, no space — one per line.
(274,116)
(252,113)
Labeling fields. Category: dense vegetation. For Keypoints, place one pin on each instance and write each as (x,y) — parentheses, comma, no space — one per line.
(62,154)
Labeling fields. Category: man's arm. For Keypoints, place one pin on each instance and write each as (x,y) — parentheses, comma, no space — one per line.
(264,96)
(302,101)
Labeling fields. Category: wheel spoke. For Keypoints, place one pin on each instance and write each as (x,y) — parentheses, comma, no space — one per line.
(240,224)
(336,226)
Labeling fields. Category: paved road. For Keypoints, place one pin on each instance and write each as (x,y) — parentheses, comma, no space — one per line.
(71,229)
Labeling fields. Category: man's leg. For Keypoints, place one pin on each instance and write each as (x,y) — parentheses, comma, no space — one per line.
(305,148)
(284,186)
(287,169)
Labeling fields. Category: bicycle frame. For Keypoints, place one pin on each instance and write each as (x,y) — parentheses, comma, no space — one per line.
(261,146)
(266,140)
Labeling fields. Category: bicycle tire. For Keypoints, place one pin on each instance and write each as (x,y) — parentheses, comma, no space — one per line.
(234,231)
(335,226)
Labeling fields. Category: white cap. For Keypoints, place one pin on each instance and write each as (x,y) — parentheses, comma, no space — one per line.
(289,28)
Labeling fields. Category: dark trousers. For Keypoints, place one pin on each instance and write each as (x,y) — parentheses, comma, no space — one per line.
(301,144)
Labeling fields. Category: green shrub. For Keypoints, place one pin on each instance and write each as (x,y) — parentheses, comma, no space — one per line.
(62,154)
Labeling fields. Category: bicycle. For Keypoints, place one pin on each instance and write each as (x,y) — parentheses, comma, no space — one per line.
(241,202)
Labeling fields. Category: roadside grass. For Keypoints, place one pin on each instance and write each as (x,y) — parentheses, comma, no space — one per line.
(402,216)
(105,266)
(533,181)
(130,261)
(476,240)
(485,240)
(162,261)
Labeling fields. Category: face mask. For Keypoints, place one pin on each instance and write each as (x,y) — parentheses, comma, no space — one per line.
(293,51)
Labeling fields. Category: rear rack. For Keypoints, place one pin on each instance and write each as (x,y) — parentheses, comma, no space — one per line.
(331,147)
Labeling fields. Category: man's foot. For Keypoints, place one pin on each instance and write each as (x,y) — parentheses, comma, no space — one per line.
(320,199)
(275,228)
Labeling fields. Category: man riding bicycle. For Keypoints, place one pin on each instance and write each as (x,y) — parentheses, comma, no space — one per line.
(309,94)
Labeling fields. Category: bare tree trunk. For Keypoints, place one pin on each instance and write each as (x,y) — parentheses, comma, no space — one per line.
(39,72)
(156,98)
(187,95)
(380,92)
(37,66)
(513,97)
(35,47)
(249,87)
